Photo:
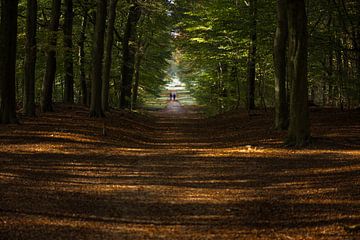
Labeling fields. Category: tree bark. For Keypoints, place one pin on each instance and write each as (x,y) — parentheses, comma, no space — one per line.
(235,78)
(252,56)
(68,52)
(98,55)
(299,128)
(8,37)
(108,55)
(340,75)
(357,61)
(129,51)
(30,59)
(49,78)
(136,81)
(280,44)
(83,85)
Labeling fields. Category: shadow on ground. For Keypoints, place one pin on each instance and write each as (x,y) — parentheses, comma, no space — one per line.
(174,175)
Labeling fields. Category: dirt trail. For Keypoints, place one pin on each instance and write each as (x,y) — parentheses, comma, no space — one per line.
(180,177)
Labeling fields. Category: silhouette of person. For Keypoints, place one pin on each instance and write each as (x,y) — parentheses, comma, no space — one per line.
(171,96)
(174,96)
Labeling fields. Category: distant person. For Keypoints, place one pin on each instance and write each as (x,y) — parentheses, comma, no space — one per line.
(171,96)
(174,96)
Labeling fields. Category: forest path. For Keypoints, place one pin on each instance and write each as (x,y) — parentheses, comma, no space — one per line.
(174,176)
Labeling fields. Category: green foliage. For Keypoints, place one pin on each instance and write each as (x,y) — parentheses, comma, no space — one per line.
(213,41)
(155,48)
(210,41)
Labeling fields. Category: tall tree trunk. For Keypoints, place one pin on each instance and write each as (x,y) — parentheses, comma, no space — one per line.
(357,61)
(49,78)
(299,128)
(329,67)
(235,78)
(30,59)
(68,52)
(129,51)
(346,79)
(108,55)
(95,106)
(280,44)
(8,37)
(252,57)
(136,80)
(140,54)
(340,75)
(83,85)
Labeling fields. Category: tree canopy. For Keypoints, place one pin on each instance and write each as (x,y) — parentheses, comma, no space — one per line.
(115,54)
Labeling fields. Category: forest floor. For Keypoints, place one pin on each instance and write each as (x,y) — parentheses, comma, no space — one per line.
(173,174)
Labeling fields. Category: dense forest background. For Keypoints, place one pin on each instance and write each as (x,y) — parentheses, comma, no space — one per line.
(264,142)
(114,54)
(216,39)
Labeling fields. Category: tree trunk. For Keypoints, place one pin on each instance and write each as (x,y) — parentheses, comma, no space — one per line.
(299,128)
(30,59)
(252,57)
(235,78)
(357,62)
(137,81)
(83,85)
(68,52)
(330,73)
(8,37)
(340,76)
(108,56)
(129,51)
(98,55)
(280,44)
(49,78)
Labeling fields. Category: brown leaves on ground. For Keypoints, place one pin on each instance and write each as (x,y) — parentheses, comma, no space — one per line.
(176,175)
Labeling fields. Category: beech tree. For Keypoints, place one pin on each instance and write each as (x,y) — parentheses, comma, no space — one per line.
(68,52)
(50,71)
(252,57)
(299,126)
(30,58)
(8,35)
(129,52)
(280,46)
(227,53)
(97,62)
(82,72)
(108,54)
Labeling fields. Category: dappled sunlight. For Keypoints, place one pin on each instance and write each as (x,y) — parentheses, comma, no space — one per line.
(8,177)
(179,177)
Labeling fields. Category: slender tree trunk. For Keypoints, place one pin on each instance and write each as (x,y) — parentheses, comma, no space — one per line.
(8,37)
(136,80)
(140,53)
(299,128)
(95,106)
(235,77)
(49,78)
(346,77)
(327,82)
(129,51)
(357,61)
(68,52)
(252,57)
(340,75)
(108,55)
(280,44)
(83,85)
(30,59)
